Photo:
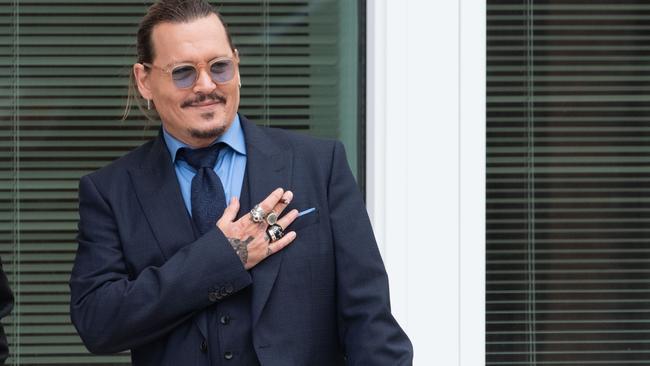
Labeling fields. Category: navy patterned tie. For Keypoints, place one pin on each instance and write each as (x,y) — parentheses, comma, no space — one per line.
(207,195)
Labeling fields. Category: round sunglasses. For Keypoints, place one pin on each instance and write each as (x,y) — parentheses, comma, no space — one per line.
(184,75)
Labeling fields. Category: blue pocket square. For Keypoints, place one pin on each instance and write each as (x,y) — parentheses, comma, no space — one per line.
(304,212)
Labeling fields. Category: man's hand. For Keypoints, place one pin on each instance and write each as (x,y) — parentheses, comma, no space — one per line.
(248,238)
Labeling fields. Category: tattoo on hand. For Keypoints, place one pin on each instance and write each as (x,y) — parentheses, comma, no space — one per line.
(241,247)
(268,250)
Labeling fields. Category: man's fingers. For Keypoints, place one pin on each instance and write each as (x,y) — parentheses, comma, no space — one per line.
(271,200)
(283,203)
(287,219)
(276,246)
(230,213)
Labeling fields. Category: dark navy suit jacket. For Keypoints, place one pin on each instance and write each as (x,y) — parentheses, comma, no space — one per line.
(142,279)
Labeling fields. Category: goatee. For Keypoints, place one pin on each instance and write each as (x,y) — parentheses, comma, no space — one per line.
(212,133)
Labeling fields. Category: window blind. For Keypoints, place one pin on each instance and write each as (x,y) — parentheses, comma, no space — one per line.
(64,74)
(568,182)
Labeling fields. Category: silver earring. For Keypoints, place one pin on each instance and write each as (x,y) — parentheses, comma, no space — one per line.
(239,83)
(148,104)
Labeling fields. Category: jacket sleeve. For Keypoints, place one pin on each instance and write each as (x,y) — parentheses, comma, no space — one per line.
(114,311)
(6,304)
(368,331)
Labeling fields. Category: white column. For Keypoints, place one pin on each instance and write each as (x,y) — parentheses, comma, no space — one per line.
(426,169)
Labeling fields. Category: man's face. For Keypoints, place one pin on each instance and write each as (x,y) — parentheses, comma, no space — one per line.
(199,114)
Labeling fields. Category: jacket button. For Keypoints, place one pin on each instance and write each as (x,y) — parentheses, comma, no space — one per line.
(204,346)
(225,319)
(229,289)
(227,355)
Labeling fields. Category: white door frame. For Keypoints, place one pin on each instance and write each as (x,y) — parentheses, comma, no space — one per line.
(426,170)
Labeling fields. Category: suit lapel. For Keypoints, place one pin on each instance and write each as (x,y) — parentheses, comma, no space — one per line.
(269,167)
(157,189)
(159,194)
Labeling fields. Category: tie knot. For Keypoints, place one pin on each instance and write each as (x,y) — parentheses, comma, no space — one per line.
(200,158)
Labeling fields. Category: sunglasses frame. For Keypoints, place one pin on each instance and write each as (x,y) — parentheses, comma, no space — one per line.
(197,67)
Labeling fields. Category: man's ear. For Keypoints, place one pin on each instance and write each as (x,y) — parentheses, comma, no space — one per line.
(142,80)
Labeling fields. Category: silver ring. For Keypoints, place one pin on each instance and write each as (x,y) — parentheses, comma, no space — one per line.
(257,214)
(275,232)
(272,218)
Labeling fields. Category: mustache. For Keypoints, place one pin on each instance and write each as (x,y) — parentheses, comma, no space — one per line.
(202,98)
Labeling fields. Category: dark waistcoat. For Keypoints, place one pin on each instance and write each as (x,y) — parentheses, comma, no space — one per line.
(230,339)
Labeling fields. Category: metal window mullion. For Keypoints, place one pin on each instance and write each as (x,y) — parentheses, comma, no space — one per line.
(15,118)
(530,127)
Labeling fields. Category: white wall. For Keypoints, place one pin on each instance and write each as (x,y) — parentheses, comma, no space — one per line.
(426,169)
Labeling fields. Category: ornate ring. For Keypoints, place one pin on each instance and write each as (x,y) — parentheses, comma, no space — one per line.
(275,232)
(257,214)
(272,218)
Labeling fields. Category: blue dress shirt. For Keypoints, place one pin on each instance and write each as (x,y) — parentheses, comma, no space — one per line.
(230,165)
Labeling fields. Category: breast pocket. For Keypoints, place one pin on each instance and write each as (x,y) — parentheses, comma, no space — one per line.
(308,217)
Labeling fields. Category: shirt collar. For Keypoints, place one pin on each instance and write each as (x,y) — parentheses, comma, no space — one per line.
(233,137)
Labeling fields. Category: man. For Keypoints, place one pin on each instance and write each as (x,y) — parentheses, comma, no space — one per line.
(287,274)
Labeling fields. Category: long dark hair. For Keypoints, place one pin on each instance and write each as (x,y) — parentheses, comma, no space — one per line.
(164,11)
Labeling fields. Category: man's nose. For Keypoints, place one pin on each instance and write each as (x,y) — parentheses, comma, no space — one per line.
(204,83)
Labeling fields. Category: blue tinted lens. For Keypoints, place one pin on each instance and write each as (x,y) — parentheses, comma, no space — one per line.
(222,71)
(184,76)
